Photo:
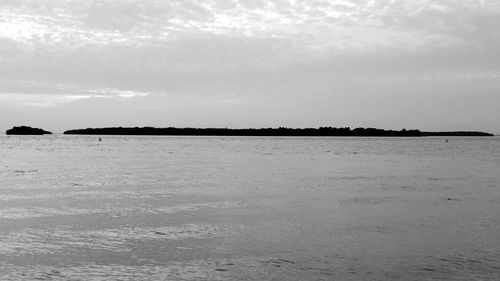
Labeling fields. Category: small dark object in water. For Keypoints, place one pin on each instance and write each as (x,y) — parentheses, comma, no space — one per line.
(100,139)
(446,140)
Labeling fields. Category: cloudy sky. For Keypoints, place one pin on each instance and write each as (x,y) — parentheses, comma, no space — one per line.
(432,65)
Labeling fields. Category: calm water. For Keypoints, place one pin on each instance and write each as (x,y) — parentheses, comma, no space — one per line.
(230,208)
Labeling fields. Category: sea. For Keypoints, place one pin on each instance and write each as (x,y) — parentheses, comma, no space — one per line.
(249,208)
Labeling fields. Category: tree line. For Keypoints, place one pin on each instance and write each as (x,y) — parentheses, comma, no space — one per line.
(281,131)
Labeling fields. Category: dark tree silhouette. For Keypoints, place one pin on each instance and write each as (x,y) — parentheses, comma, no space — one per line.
(281,131)
(25,130)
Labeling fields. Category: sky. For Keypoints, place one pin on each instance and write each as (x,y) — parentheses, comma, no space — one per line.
(392,64)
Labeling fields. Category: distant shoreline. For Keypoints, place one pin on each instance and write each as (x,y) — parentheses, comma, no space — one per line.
(272,132)
(26,130)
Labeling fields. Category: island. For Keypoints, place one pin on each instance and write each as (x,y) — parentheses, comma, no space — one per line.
(25,130)
(281,131)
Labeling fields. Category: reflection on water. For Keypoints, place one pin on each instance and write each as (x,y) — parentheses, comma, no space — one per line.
(231,208)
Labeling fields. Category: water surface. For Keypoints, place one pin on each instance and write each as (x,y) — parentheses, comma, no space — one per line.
(249,208)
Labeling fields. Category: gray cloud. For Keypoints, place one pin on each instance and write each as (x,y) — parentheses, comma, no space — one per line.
(291,56)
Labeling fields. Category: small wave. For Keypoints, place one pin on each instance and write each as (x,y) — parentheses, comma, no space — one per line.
(25,171)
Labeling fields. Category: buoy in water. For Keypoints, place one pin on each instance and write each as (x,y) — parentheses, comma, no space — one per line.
(446,140)
(100,139)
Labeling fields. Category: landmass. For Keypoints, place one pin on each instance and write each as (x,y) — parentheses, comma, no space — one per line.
(458,134)
(281,131)
(25,130)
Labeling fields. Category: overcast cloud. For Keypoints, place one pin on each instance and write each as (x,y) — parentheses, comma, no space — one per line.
(433,65)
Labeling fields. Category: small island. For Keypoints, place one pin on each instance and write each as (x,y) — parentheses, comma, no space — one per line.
(281,131)
(25,130)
